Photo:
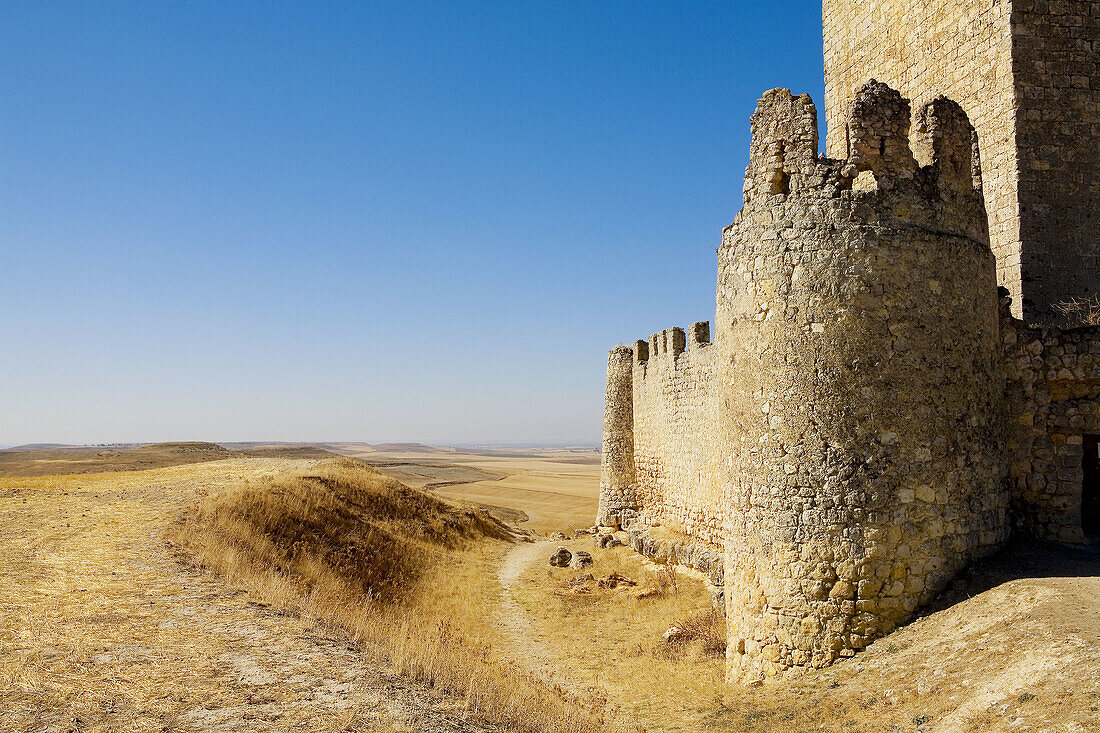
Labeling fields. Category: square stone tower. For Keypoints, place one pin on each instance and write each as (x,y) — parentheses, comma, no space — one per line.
(1027,72)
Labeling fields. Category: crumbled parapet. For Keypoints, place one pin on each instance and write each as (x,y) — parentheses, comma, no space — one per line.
(666,547)
(946,142)
(784,144)
(864,461)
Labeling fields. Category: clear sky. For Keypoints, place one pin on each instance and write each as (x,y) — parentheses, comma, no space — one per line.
(368,221)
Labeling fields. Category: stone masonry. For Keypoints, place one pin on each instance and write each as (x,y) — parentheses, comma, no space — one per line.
(670,395)
(870,416)
(1027,72)
(865,459)
(892,387)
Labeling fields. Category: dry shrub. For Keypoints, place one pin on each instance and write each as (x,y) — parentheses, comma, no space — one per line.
(371,532)
(346,544)
(709,629)
(1080,311)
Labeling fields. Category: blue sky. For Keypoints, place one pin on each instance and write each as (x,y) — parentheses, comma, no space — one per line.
(365,221)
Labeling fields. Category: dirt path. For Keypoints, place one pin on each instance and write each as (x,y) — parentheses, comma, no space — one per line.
(103,628)
(518,636)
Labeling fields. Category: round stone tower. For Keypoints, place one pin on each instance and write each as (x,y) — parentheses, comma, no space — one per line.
(860,379)
(617,485)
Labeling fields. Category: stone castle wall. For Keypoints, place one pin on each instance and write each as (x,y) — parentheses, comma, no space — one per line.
(870,416)
(862,380)
(675,432)
(873,414)
(1056,62)
(1027,72)
(1054,398)
(662,408)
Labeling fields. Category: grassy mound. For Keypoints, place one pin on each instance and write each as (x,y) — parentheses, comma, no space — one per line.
(404,572)
(342,522)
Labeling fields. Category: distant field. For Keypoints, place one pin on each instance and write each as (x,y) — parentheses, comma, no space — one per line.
(61,460)
(554,489)
(546,490)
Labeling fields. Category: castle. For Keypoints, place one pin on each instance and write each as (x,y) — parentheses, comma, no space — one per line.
(891,388)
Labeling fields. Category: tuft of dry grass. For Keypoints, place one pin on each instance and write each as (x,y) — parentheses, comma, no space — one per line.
(667,581)
(387,563)
(706,629)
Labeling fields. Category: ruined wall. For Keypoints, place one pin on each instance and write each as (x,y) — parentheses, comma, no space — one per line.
(675,428)
(860,377)
(1027,72)
(1054,395)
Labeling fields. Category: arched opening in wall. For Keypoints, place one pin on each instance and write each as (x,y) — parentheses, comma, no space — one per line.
(1090,487)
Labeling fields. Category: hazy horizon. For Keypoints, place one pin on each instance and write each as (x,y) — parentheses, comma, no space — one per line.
(229,443)
(420,222)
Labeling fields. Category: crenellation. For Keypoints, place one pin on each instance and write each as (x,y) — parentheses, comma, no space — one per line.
(699,335)
(877,134)
(1029,84)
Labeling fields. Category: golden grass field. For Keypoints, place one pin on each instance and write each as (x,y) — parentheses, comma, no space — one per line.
(303,594)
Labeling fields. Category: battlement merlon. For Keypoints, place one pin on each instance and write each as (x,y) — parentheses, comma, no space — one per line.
(878,134)
(671,342)
(784,144)
(938,187)
(946,142)
(698,335)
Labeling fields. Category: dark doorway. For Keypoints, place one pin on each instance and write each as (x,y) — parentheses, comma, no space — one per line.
(1090,487)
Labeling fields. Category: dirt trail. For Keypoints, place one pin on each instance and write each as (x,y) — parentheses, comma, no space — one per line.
(520,642)
(103,628)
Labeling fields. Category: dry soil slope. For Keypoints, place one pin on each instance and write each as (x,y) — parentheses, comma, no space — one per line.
(103,628)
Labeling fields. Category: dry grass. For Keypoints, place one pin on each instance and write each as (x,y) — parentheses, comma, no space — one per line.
(342,523)
(706,629)
(1080,311)
(100,630)
(396,567)
(612,637)
(100,623)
